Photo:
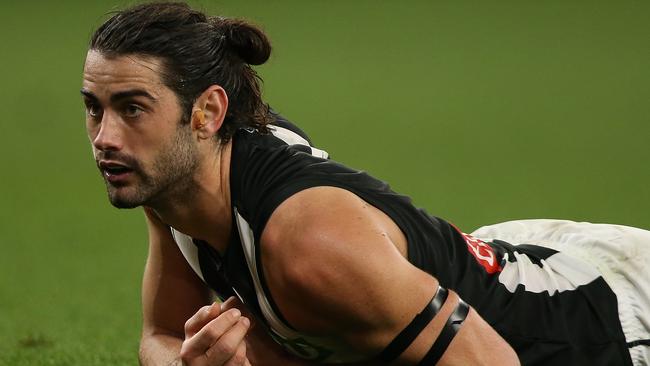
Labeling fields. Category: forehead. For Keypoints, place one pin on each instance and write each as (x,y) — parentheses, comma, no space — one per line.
(109,74)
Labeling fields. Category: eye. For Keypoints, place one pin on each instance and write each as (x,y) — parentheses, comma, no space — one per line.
(93,110)
(132,111)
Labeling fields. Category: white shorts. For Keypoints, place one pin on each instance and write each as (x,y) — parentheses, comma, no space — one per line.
(620,253)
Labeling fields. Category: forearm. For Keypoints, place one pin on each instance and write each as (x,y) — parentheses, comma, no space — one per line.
(477,343)
(160,349)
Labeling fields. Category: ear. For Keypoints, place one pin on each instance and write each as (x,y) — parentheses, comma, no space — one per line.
(209,111)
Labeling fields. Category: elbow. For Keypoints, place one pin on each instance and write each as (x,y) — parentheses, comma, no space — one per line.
(505,355)
(159,349)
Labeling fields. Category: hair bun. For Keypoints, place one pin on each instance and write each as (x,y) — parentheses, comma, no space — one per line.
(246,40)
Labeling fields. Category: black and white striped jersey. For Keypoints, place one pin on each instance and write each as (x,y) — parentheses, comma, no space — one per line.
(551,308)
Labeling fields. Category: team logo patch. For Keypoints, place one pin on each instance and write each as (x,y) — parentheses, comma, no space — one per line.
(483,253)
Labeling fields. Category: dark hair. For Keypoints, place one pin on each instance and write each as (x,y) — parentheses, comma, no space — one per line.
(196,51)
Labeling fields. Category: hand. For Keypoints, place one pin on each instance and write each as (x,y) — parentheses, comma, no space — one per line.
(215,337)
(261,348)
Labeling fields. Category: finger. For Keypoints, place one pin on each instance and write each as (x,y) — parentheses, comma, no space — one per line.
(239,359)
(227,346)
(202,317)
(235,303)
(230,303)
(210,334)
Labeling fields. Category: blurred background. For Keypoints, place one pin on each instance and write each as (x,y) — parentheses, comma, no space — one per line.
(480,111)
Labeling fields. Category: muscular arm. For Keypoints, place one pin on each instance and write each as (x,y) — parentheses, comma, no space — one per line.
(335,267)
(171,294)
(174,299)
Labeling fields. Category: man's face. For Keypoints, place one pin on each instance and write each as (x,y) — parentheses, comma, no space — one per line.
(142,150)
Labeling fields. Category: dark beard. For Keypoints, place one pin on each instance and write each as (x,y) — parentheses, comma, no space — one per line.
(171,175)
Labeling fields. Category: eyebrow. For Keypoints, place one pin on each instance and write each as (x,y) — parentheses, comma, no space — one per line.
(116,97)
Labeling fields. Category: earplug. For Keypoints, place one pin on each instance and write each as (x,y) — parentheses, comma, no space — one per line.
(199,117)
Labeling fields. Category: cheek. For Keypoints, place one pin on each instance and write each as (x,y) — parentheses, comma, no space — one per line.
(145,149)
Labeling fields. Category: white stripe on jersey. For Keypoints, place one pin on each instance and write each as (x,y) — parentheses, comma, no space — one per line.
(248,243)
(292,138)
(189,250)
(326,350)
(558,273)
(184,242)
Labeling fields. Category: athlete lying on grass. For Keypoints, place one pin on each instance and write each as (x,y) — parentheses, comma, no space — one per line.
(332,264)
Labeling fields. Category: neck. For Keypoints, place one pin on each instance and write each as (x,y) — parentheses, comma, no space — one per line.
(205,213)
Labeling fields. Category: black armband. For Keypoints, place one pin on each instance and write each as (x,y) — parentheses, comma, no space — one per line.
(447,334)
(408,335)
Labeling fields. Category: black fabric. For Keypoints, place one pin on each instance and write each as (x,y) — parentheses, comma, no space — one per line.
(578,327)
(639,342)
(447,334)
(212,270)
(408,334)
(535,253)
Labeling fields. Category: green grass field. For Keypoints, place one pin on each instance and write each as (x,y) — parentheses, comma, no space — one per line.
(481,112)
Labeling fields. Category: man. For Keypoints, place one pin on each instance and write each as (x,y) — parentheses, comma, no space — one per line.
(332,264)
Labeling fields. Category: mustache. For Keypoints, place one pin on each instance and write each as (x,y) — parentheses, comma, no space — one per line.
(127,160)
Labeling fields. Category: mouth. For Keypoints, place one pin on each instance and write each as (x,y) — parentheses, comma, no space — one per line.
(115,172)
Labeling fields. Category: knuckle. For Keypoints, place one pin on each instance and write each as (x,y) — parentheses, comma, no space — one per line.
(233,314)
(224,348)
(188,351)
(203,312)
(184,354)
(201,315)
(188,324)
(211,333)
(245,322)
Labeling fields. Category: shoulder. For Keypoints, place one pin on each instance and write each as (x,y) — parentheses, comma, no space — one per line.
(326,257)
(281,134)
(267,168)
(315,219)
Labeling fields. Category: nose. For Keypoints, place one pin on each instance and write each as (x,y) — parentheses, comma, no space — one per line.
(109,134)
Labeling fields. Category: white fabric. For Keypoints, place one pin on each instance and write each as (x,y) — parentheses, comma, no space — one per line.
(620,253)
(189,250)
(292,138)
(557,273)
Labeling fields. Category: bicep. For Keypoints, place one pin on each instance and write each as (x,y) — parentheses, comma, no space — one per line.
(333,270)
(171,291)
